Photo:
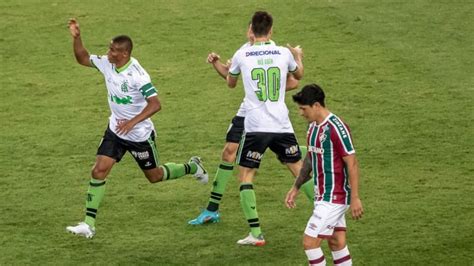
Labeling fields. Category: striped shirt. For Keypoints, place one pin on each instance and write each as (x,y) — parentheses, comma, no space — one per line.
(328,143)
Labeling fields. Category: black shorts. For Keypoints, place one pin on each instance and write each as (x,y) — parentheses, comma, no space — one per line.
(236,129)
(145,152)
(253,146)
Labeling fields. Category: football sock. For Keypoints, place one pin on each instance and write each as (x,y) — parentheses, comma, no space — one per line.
(95,193)
(315,257)
(218,186)
(249,206)
(175,170)
(342,257)
(308,187)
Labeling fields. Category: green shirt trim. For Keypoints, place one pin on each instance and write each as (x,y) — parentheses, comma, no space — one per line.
(122,68)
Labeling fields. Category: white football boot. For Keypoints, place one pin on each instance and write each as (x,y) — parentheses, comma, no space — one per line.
(252,241)
(201,173)
(82,229)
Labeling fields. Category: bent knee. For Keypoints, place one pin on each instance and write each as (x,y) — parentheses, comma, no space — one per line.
(228,154)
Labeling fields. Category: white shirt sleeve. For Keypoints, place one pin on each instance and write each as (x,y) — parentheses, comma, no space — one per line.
(234,69)
(100,62)
(144,85)
(292,66)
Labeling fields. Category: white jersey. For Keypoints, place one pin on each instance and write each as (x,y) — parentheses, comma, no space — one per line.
(264,67)
(128,88)
(241,111)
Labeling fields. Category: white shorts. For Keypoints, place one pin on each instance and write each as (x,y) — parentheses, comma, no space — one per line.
(327,217)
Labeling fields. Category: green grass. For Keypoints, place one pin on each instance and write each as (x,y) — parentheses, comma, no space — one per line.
(399,73)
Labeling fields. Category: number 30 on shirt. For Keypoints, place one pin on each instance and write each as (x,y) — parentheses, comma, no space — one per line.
(268,83)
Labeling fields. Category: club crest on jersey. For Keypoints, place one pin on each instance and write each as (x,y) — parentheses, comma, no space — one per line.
(124,86)
(322,136)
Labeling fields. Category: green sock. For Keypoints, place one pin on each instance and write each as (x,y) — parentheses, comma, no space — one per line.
(249,206)
(218,186)
(177,170)
(308,187)
(95,193)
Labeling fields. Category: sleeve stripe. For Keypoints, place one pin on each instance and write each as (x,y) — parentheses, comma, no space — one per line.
(149,92)
(145,87)
(234,75)
(293,71)
(343,134)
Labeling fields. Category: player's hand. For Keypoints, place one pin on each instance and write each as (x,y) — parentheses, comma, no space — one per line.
(74,28)
(290,198)
(297,51)
(212,58)
(356,208)
(124,127)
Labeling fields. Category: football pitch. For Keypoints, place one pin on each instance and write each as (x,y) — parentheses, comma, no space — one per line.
(400,73)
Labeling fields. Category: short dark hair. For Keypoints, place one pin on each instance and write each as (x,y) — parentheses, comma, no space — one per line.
(262,22)
(309,95)
(125,41)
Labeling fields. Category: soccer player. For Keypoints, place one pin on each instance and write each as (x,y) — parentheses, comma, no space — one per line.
(133,100)
(234,134)
(264,68)
(332,160)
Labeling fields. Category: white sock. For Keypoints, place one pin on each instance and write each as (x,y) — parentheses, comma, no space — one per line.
(342,257)
(315,257)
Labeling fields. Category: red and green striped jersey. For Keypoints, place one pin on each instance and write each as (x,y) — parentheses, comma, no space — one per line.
(328,143)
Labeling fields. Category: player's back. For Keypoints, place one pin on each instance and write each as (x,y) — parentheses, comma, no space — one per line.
(264,67)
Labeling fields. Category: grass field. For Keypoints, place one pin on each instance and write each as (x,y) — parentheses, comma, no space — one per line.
(400,73)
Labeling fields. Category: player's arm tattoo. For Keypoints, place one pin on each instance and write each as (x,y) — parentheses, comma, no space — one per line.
(304,173)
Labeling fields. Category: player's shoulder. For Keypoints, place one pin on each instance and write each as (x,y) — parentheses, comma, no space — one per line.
(136,68)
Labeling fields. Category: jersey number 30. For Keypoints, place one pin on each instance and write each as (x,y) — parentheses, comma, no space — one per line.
(268,83)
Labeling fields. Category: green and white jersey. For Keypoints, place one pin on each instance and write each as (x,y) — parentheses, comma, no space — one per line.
(241,111)
(128,88)
(264,67)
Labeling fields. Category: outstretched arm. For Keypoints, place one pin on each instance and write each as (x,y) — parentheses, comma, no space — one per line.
(353,171)
(82,56)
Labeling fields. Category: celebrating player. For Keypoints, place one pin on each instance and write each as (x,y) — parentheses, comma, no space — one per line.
(133,100)
(234,134)
(264,68)
(331,158)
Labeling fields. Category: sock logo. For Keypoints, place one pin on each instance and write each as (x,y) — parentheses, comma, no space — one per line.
(89,196)
(253,207)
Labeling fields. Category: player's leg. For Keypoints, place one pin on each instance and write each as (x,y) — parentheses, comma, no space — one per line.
(289,153)
(146,155)
(337,244)
(317,229)
(223,173)
(251,150)
(110,151)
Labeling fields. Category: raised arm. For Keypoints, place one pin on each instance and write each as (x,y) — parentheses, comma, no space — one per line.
(297,53)
(220,68)
(300,180)
(82,56)
(353,171)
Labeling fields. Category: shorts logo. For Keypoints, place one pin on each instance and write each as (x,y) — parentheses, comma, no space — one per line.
(148,164)
(331,227)
(293,150)
(254,155)
(312,226)
(141,155)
